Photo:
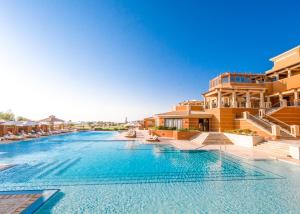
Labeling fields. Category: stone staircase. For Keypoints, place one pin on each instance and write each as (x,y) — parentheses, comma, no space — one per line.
(266,124)
(211,138)
(274,148)
(200,138)
(272,110)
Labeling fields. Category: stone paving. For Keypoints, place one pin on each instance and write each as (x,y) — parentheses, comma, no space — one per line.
(16,203)
(242,152)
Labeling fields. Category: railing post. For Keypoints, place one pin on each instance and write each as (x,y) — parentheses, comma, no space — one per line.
(295,130)
(268,104)
(283,103)
(245,115)
(294,151)
(262,113)
(275,131)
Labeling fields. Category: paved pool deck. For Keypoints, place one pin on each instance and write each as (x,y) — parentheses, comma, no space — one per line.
(241,152)
(24,201)
(16,203)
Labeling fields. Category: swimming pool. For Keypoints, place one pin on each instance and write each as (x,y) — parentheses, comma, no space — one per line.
(96,174)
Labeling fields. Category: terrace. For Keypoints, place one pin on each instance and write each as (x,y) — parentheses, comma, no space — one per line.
(237,90)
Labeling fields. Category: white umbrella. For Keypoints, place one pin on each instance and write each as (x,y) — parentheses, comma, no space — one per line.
(129,125)
(30,123)
(44,123)
(10,123)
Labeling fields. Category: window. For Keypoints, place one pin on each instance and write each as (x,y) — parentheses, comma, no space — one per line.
(232,79)
(242,79)
(173,123)
(225,79)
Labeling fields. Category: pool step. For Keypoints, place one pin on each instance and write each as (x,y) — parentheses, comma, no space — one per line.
(66,167)
(53,169)
(20,173)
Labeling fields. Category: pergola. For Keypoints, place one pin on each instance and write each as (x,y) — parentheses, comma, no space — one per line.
(52,121)
(235,98)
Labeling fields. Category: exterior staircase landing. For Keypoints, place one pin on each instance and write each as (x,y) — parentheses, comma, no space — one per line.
(274,148)
(211,138)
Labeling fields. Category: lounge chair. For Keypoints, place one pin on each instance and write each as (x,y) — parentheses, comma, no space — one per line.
(42,133)
(153,139)
(13,137)
(23,134)
(131,134)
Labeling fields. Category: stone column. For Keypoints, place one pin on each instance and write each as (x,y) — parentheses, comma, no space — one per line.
(210,103)
(248,100)
(268,104)
(262,113)
(219,99)
(283,102)
(296,95)
(277,76)
(295,130)
(262,100)
(204,101)
(280,97)
(233,102)
(245,115)
(294,151)
(275,131)
(289,72)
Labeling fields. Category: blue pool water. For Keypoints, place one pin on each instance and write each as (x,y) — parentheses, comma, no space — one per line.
(96,174)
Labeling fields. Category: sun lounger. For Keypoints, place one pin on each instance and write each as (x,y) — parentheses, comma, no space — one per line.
(13,137)
(153,139)
(42,133)
(131,134)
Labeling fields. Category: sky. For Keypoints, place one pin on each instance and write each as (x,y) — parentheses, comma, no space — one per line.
(107,59)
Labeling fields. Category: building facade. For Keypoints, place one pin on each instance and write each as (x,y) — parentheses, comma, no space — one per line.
(263,102)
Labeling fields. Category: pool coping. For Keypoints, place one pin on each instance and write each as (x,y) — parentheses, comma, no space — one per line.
(46,194)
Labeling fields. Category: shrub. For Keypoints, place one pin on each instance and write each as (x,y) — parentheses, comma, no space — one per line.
(187,130)
(110,128)
(164,128)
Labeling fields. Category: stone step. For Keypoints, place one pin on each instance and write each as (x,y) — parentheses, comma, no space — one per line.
(274,149)
(211,138)
(273,146)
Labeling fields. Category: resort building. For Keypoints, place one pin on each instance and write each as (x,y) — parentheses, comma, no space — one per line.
(185,115)
(267,103)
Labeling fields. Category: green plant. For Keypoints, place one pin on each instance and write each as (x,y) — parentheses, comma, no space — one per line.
(7,116)
(163,128)
(187,130)
(183,130)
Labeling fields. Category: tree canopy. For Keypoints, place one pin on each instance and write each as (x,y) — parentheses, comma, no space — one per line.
(8,115)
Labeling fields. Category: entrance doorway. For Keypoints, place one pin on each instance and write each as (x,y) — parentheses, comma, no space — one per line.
(204,124)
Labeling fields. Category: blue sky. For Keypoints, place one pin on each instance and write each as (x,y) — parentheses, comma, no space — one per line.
(105,60)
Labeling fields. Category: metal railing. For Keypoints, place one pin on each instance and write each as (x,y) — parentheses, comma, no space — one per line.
(274,108)
(264,124)
(282,124)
